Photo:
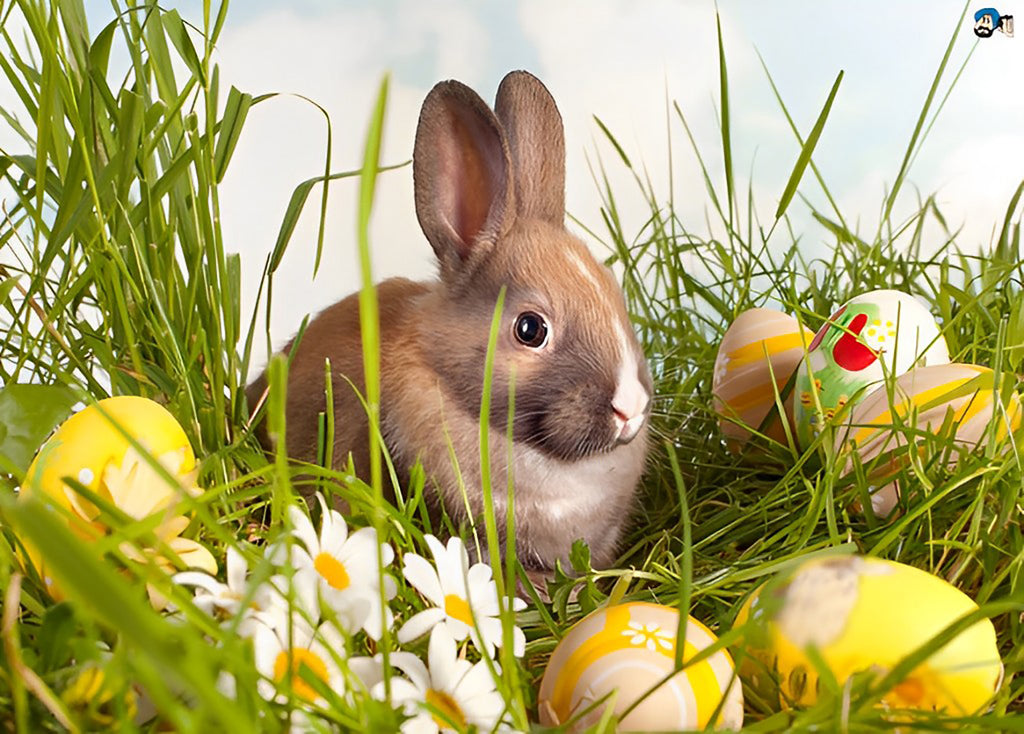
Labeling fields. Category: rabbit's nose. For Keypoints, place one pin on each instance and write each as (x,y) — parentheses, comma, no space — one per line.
(629,411)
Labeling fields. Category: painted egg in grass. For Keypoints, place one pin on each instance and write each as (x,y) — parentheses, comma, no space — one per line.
(946,406)
(89,448)
(871,336)
(758,354)
(617,654)
(867,614)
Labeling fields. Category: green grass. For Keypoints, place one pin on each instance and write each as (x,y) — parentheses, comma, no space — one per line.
(116,281)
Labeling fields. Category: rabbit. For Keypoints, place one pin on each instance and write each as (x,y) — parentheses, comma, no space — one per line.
(490,198)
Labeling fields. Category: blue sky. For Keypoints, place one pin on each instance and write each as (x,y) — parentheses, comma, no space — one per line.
(616,59)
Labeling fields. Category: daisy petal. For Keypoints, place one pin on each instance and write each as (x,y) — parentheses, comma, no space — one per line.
(199,580)
(403,693)
(418,572)
(237,569)
(414,668)
(373,622)
(483,710)
(369,671)
(441,652)
(476,682)
(435,546)
(302,529)
(419,624)
(390,587)
(492,632)
(518,642)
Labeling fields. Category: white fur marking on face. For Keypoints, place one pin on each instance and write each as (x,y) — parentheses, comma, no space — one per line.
(630,399)
(584,271)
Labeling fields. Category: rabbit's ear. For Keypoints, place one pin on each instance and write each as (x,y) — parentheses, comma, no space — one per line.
(534,129)
(461,175)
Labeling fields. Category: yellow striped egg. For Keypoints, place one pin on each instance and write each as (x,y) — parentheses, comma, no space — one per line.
(864,614)
(960,401)
(86,444)
(758,354)
(616,655)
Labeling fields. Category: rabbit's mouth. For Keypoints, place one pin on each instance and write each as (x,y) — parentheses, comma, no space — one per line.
(569,435)
(629,428)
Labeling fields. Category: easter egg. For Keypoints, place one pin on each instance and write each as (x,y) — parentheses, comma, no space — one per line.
(871,336)
(867,614)
(88,446)
(958,401)
(758,354)
(617,654)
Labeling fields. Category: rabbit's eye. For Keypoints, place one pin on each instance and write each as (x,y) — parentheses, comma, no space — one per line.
(531,329)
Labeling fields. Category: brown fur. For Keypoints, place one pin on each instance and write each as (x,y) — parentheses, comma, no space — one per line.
(490,199)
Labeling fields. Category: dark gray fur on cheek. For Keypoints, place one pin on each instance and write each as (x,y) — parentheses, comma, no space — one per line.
(563,410)
(562,405)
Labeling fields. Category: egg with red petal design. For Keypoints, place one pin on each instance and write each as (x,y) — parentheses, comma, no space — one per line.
(875,334)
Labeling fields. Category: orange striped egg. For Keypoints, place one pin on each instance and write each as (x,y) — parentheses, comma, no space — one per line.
(961,397)
(761,344)
(616,655)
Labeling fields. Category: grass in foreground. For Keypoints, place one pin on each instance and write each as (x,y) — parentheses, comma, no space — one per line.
(116,281)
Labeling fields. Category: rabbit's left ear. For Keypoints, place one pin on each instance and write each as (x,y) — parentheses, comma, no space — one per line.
(536,141)
(461,175)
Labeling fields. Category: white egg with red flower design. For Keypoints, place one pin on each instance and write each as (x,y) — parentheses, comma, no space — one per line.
(884,332)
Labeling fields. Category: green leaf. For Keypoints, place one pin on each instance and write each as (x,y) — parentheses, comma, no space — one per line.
(613,141)
(29,413)
(178,34)
(295,205)
(54,635)
(230,129)
(6,286)
(805,153)
(579,556)
(723,85)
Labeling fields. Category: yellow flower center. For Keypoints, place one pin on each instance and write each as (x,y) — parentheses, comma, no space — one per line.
(458,608)
(332,570)
(452,715)
(300,658)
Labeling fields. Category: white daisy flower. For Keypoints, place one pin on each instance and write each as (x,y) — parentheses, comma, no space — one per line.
(460,594)
(346,566)
(287,654)
(225,600)
(268,601)
(451,696)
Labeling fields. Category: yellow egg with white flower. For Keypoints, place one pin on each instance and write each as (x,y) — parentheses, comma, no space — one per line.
(617,655)
(866,614)
(92,448)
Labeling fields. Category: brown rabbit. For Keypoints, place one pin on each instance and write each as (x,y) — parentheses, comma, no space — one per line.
(490,198)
